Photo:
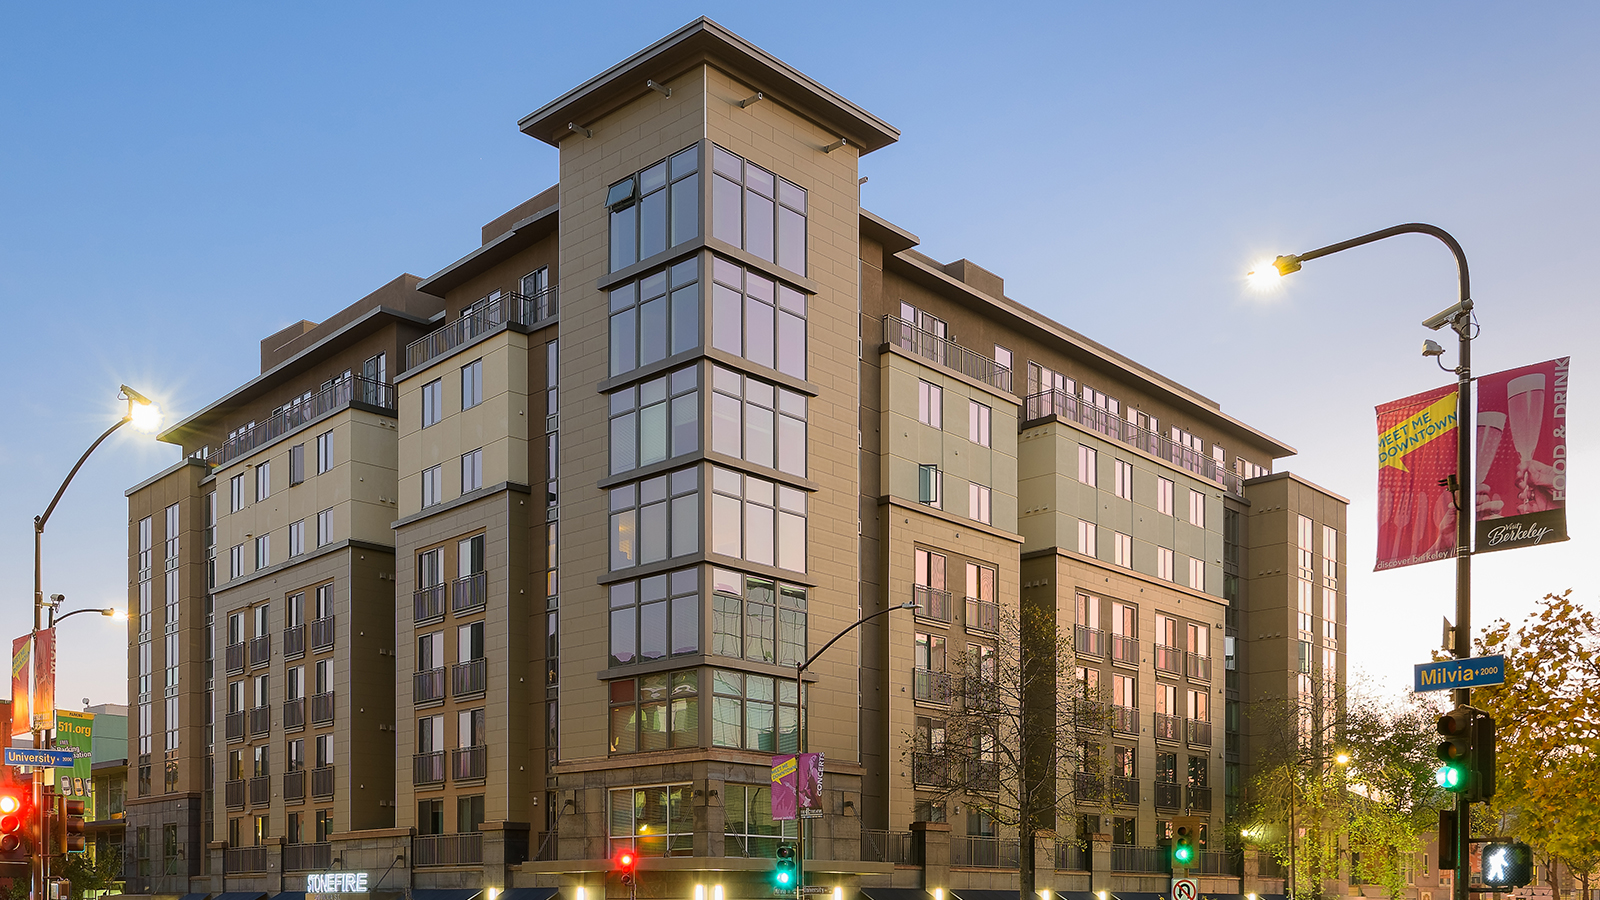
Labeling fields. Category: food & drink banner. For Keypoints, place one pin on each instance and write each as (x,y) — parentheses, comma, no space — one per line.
(1416,451)
(1521,494)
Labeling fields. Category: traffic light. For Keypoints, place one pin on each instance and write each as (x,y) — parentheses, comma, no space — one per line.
(1507,864)
(1185,838)
(784,875)
(75,841)
(13,821)
(626,863)
(1455,751)
(1447,840)
(1480,784)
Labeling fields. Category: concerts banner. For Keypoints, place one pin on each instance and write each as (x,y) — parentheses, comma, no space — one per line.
(796,784)
(44,678)
(21,720)
(1416,451)
(1522,457)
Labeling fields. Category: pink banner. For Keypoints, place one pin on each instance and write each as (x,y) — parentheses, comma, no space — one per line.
(1522,457)
(796,784)
(21,717)
(1416,451)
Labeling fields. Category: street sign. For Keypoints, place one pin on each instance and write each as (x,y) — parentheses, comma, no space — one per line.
(28,756)
(809,812)
(1185,889)
(815,889)
(1460,673)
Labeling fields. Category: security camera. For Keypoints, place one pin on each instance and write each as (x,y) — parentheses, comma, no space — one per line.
(1432,348)
(1440,320)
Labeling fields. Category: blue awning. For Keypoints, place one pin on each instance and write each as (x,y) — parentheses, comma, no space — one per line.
(241,895)
(190,896)
(530,893)
(442,894)
(893,893)
(289,895)
(978,894)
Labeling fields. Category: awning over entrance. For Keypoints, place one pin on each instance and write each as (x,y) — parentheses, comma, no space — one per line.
(194,897)
(240,895)
(533,893)
(440,894)
(975,894)
(889,893)
(289,895)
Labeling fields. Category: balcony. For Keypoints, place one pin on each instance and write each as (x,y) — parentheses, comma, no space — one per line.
(900,333)
(428,686)
(932,603)
(982,615)
(1066,406)
(1088,788)
(978,851)
(245,860)
(428,604)
(470,677)
(930,768)
(233,726)
(1071,858)
(294,786)
(447,850)
(233,793)
(1124,791)
(1148,860)
(322,782)
(294,642)
(1125,650)
(260,650)
(983,775)
(1199,667)
(469,593)
(510,307)
(1199,733)
(261,790)
(307,857)
(930,686)
(322,633)
(428,768)
(322,708)
(233,658)
(294,714)
(1168,795)
(1200,798)
(469,763)
(1169,728)
(333,397)
(1169,660)
(1124,720)
(1091,715)
(1089,641)
(260,721)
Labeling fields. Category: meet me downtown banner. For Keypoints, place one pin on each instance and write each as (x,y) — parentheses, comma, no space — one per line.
(1519,494)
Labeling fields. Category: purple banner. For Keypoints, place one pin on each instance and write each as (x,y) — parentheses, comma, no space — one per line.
(796,784)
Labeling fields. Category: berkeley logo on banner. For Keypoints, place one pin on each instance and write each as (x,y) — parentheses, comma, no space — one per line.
(1521,495)
(1416,450)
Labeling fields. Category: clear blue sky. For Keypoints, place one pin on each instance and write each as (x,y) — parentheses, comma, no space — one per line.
(179,180)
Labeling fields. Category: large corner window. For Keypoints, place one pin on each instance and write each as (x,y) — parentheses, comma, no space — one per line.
(655,421)
(655,712)
(655,316)
(758,520)
(757,618)
(655,519)
(754,712)
(655,617)
(757,318)
(758,422)
(656,208)
(655,821)
(755,210)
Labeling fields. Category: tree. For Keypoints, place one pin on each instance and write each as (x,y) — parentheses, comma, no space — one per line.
(100,871)
(1008,743)
(1547,715)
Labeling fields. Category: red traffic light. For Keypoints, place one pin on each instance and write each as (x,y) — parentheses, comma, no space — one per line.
(11,822)
(626,861)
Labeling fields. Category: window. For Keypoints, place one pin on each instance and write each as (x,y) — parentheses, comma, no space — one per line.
(757,520)
(978,502)
(655,421)
(655,316)
(655,821)
(469,809)
(432,485)
(750,831)
(1124,479)
(656,208)
(324,747)
(1304,600)
(978,420)
(297,537)
(930,404)
(295,612)
(755,712)
(1041,379)
(1163,496)
(432,402)
(430,734)
(1124,620)
(1124,830)
(759,319)
(1124,550)
(324,452)
(1199,706)
(297,464)
(1197,508)
(472,384)
(472,470)
(1087,544)
(1247,470)
(1198,640)
(325,528)
(655,712)
(294,682)
(655,519)
(757,619)
(1122,762)
(235,561)
(324,825)
(930,652)
(655,617)
(1164,564)
(1002,356)
(930,482)
(430,568)
(262,761)
(1197,573)
(263,551)
(263,693)
(1124,691)
(1088,460)
(264,480)
(430,651)
(757,421)
(755,210)
(469,642)
(235,495)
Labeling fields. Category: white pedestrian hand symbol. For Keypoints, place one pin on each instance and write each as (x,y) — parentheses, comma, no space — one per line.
(1497,866)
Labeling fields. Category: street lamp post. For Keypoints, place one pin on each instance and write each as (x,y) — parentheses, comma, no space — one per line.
(800,736)
(1459,318)
(146,416)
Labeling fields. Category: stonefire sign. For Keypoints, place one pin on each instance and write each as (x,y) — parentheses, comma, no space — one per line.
(337,883)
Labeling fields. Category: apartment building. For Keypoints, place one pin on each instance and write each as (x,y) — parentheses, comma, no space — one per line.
(497,571)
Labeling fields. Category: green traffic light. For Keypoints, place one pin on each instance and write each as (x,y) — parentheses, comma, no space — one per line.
(1183,853)
(783,879)
(1450,777)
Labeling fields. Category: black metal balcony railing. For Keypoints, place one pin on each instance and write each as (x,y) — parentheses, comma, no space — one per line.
(322,708)
(1124,720)
(245,860)
(1091,715)
(322,782)
(1169,728)
(509,307)
(233,658)
(468,763)
(447,849)
(233,726)
(932,603)
(947,353)
(470,677)
(428,768)
(1169,660)
(294,642)
(1168,795)
(930,768)
(1199,667)
(335,396)
(1200,798)
(260,721)
(1199,733)
(1219,862)
(1124,791)
(1071,858)
(307,857)
(876,846)
(1124,650)
(984,852)
(983,775)
(294,713)
(1089,788)
(322,633)
(930,686)
(983,615)
(260,650)
(427,686)
(261,790)
(233,793)
(428,603)
(469,593)
(1089,641)
(294,785)
(1069,407)
(1149,860)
